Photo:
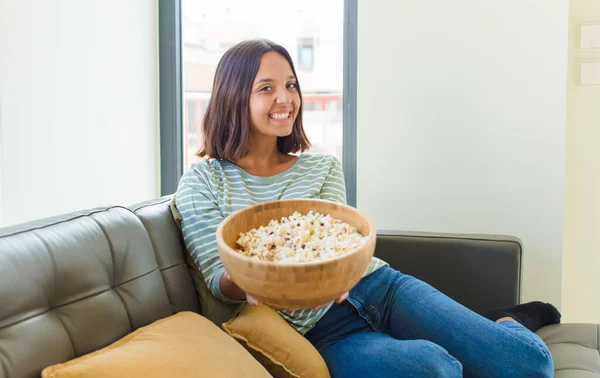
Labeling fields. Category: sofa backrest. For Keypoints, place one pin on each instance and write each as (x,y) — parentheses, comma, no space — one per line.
(168,247)
(75,283)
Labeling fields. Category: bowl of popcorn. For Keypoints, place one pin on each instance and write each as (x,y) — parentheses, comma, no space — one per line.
(296,254)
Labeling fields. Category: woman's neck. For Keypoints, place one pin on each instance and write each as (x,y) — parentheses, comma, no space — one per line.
(264,159)
(262,154)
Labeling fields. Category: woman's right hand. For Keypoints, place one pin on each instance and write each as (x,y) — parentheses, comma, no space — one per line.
(252,301)
(231,290)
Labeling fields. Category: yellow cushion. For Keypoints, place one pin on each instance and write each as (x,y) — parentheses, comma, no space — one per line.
(274,343)
(182,345)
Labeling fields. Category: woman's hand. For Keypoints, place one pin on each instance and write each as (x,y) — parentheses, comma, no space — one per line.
(231,290)
(252,301)
(234,292)
(339,299)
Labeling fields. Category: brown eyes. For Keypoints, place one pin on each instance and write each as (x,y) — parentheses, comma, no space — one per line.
(268,88)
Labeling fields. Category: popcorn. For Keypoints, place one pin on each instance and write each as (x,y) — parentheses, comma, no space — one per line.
(300,238)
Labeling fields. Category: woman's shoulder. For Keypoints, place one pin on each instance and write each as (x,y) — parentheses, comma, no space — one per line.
(319,159)
(205,172)
(206,167)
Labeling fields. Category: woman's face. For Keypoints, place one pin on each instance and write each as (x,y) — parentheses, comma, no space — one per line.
(274,100)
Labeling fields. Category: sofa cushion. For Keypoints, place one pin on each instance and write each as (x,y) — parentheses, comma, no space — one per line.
(574,348)
(72,284)
(183,345)
(278,347)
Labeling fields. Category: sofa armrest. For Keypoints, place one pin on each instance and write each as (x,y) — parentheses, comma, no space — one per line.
(482,272)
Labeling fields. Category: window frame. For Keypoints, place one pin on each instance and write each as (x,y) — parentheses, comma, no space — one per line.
(171,96)
(349,139)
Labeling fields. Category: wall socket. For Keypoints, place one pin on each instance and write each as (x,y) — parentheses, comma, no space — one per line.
(589,37)
(589,73)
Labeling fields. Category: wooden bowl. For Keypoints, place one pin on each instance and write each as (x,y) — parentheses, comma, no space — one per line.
(294,285)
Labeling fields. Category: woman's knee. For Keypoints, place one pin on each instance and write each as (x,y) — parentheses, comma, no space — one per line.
(535,361)
(538,364)
(435,361)
(534,357)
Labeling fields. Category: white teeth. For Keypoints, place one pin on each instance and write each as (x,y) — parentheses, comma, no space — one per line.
(280,115)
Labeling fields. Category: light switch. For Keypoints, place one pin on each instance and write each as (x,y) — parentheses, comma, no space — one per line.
(589,73)
(589,37)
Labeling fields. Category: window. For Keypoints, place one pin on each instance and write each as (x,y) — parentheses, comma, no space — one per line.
(209,28)
(305,53)
(317,34)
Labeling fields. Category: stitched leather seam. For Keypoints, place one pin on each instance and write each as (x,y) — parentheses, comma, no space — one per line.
(159,202)
(111,249)
(4,362)
(500,239)
(571,343)
(172,266)
(85,215)
(67,220)
(576,369)
(68,334)
(112,253)
(77,300)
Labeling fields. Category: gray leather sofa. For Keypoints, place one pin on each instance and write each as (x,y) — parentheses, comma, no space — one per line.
(75,283)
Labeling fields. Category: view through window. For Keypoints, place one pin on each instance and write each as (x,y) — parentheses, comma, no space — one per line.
(311,31)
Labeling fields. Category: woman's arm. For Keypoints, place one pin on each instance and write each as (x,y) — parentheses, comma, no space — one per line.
(200,218)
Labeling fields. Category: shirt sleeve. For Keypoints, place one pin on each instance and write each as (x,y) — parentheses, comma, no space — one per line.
(334,187)
(201,216)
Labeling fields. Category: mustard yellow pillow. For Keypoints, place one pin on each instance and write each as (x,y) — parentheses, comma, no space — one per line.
(275,344)
(182,345)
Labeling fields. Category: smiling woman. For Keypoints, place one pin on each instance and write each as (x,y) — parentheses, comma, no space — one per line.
(251,132)
(378,328)
(266,72)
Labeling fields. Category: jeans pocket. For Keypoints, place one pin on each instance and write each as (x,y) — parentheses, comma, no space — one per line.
(369,313)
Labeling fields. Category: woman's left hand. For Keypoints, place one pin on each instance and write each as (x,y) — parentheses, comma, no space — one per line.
(339,299)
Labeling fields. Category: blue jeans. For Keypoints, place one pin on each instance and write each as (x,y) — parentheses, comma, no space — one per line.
(394,325)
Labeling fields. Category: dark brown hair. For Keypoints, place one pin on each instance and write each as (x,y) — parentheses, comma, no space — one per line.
(226,122)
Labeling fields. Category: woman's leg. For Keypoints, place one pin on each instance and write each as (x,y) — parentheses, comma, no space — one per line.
(375,354)
(409,309)
(351,348)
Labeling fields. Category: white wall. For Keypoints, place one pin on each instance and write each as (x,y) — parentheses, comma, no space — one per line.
(581,253)
(1,160)
(461,122)
(78,105)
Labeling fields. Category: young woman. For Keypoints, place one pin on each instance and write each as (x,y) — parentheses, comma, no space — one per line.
(390,324)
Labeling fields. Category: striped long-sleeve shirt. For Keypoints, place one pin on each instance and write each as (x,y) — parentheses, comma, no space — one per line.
(212,189)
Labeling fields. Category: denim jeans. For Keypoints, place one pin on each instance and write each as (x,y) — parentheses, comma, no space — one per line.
(394,325)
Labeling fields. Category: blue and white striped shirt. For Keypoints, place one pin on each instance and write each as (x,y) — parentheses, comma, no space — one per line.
(213,189)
